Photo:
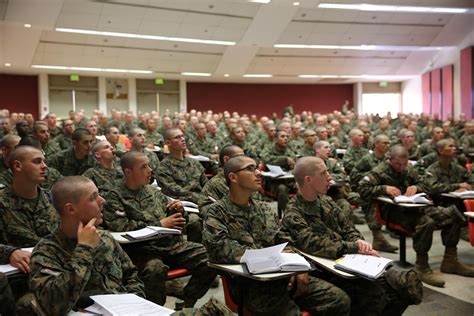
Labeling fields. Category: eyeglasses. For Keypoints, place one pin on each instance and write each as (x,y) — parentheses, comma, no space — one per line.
(178,137)
(249,168)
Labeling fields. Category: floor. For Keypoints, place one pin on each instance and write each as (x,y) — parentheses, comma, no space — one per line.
(456,298)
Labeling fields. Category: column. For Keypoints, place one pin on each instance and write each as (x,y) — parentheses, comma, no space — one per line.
(132,95)
(102,95)
(43,95)
(183,99)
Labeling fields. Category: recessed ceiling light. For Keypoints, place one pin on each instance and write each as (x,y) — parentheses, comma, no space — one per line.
(144,36)
(390,8)
(92,69)
(260,1)
(198,74)
(296,3)
(364,47)
(226,75)
(258,76)
(8,65)
(27,25)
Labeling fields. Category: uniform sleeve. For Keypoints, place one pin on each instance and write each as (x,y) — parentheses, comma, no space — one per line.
(58,286)
(116,214)
(314,242)
(372,185)
(270,158)
(434,184)
(217,240)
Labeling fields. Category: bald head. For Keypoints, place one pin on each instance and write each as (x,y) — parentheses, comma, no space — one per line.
(68,190)
(20,153)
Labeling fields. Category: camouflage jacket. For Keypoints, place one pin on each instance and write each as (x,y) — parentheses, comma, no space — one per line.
(375,182)
(230,229)
(131,210)
(103,177)
(467,143)
(51,149)
(305,152)
(25,222)
(154,138)
(202,147)
(426,148)
(182,179)
(274,156)
(365,164)
(319,227)
(64,142)
(52,175)
(62,271)
(5,252)
(67,164)
(352,156)
(53,132)
(442,180)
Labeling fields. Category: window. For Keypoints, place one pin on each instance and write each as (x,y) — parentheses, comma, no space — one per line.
(381,103)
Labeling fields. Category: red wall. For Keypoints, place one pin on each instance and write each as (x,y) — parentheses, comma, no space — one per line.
(263,99)
(437,91)
(447,91)
(467,81)
(19,93)
(426,92)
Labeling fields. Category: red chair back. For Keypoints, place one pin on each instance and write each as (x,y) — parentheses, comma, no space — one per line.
(469,205)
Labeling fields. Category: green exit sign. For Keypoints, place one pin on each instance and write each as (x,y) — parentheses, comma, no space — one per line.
(159,82)
(74,77)
(383,83)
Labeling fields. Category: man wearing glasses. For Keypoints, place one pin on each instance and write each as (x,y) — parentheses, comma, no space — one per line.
(238,222)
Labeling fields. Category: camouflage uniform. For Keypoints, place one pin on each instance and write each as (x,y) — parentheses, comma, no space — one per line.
(230,229)
(305,152)
(467,143)
(442,180)
(7,300)
(63,271)
(51,149)
(25,222)
(154,138)
(53,132)
(182,179)
(275,156)
(130,210)
(67,164)
(426,148)
(102,177)
(52,175)
(202,147)
(319,228)
(422,221)
(352,156)
(64,141)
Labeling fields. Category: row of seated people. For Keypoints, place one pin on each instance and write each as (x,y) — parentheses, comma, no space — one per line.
(73,259)
(175,141)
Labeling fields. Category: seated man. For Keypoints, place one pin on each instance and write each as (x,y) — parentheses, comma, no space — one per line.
(78,260)
(137,139)
(355,151)
(74,161)
(317,226)
(133,204)
(105,173)
(64,139)
(238,222)
(180,177)
(394,178)
(281,155)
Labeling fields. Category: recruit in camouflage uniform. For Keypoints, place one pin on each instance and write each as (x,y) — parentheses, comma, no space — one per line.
(7,300)
(182,179)
(51,149)
(63,271)
(103,177)
(130,210)
(64,141)
(26,221)
(51,176)
(352,156)
(319,228)
(421,221)
(154,138)
(230,229)
(67,164)
(447,179)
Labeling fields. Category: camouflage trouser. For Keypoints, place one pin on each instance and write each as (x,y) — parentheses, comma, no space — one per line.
(346,208)
(7,301)
(273,298)
(213,307)
(194,228)
(369,298)
(424,221)
(369,214)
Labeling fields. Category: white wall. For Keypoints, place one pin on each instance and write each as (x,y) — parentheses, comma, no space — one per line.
(411,96)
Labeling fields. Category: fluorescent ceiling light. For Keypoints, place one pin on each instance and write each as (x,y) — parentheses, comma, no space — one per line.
(93,69)
(387,77)
(197,74)
(364,47)
(260,1)
(144,36)
(8,65)
(258,76)
(390,8)
(27,25)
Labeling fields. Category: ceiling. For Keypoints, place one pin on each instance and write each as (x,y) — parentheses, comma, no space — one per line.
(255,28)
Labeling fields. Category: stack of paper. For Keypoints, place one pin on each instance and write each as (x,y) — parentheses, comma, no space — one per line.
(463,194)
(189,207)
(199,158)
(150,231)
(126,305)
(366,266)
(417,198)
(275,172)
(272,259)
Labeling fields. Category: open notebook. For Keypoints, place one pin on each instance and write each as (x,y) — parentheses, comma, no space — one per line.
(420,198)
(126,305)
(150,231)
(272,259)
(369,267)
